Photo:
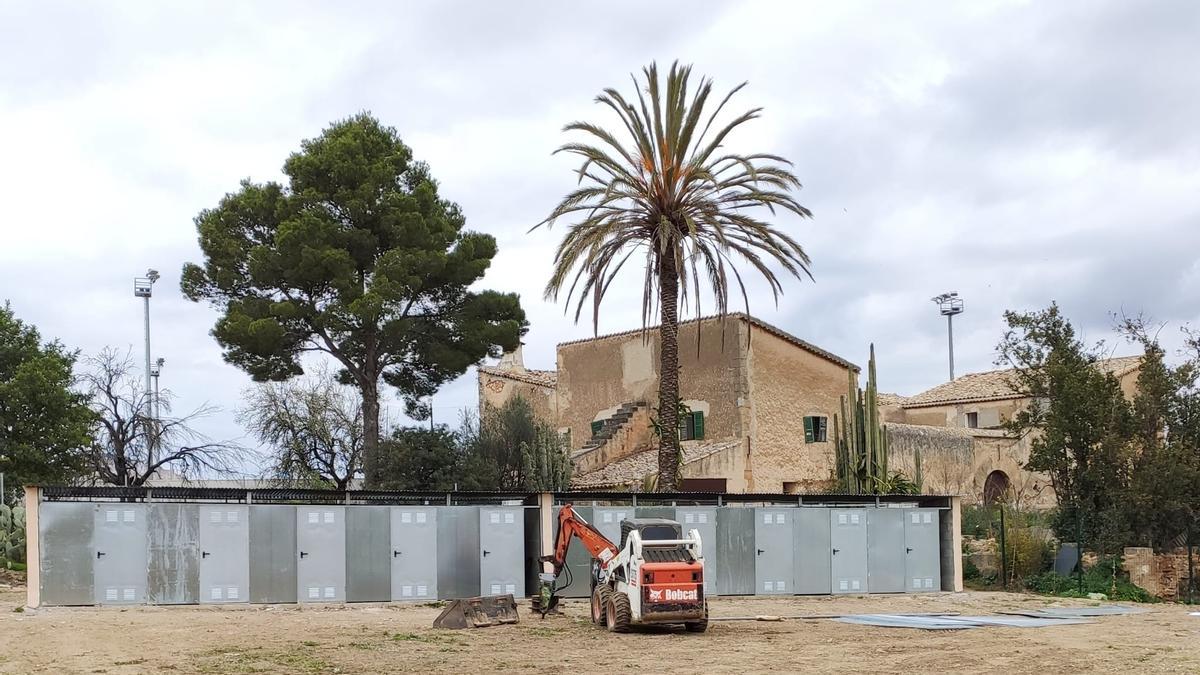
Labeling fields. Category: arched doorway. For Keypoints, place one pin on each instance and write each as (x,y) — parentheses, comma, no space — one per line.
(995,488)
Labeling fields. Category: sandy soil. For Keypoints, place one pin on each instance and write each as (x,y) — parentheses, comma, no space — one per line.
(395,638)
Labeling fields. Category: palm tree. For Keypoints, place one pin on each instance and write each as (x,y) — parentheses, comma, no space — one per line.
(671,192)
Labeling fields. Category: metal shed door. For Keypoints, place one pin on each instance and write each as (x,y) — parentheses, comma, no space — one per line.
(272,553)
(734,550)
(321,553)
(608,521)
(704,520)
(579,561)
(848,546)
(458,551)
(885,550)
(812,551)
(923,562)
(414,553)
(774,556)
(67,553)
(120,558)
(224,554)
(368,554)
(174,550)
(502,551)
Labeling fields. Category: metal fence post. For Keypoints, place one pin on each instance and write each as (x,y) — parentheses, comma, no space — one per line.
(1003,550)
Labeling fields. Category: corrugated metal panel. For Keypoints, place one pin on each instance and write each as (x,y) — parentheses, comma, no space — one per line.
(458,552)
(272,553)
(368,554)
(65,535)
(812,551)
(735,551)
(607,519)
(173,532)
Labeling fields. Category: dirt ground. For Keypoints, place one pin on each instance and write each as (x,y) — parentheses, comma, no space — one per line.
(398,638)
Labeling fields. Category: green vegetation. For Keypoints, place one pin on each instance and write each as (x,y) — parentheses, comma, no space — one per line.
(360,258)
(663,188)
(1103,577)
(861,464)
(12,537)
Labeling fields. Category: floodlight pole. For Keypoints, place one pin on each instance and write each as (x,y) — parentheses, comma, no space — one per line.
(949,304)
(143,288)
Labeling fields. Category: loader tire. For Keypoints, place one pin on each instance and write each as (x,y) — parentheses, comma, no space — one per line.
(599,604)
(698,626)
(618,613)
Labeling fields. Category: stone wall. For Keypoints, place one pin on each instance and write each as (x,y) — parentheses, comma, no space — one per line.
(786,384)
(1164,575)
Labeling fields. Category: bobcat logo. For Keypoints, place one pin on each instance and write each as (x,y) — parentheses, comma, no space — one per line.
(655,595)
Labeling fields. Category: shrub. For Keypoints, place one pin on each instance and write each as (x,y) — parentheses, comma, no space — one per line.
(1096,579)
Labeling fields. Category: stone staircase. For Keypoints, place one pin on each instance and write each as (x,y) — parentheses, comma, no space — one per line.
(611,426)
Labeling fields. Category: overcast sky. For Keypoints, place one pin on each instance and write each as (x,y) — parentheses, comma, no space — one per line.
(1016,152)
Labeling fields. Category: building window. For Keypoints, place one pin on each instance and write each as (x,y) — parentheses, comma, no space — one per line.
(691,426)
(597,426)
(972,420)
(816,429)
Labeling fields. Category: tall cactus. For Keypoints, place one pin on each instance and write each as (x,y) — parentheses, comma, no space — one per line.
(12,535)
(862,452)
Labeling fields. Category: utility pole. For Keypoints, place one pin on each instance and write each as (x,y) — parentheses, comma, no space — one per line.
(949,304)
(143,288)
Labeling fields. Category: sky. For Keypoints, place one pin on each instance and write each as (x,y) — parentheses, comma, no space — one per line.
(1018,153)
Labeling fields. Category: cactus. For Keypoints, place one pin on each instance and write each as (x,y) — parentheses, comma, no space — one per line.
(12,535)
(862,448)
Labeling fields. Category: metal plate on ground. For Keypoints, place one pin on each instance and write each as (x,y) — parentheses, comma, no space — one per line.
(502,550)
(368,554)
(704,520)
(225,554)
(735,551)
(413,553)
(458,551)
(173,532)
(923,557)
(774,560)
(812,551)
(321,553)
(885,550)
(65,537)
(579,561)
(848,549)
(119,538)
(272,548)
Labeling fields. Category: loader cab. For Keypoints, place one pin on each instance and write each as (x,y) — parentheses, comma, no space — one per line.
(650,529)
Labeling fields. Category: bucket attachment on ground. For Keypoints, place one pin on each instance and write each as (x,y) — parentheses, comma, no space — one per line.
(481,612)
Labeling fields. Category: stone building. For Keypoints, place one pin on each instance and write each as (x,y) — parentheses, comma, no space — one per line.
(761,402)
(957,426)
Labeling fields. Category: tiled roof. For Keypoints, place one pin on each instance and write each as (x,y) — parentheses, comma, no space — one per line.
(636,467)
(737,316)
(542,378)
(995,385)
(890,399)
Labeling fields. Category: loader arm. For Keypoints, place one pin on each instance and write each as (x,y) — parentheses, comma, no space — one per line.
(571,525)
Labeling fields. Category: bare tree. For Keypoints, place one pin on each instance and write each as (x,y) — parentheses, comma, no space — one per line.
(313,425)
(123,435)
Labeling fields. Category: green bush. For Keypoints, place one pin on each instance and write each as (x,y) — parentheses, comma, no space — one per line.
(12,535)
(971,571)
(1096,579)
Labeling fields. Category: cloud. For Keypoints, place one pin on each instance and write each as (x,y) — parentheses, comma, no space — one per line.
(1019,153)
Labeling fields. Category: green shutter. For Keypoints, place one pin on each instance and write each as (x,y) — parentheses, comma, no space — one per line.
(808,430)
(597,426)
(698,425)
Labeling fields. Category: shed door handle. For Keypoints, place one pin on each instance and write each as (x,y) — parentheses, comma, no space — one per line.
(908,550)
(303,554)
(835,551)
(760,551)
(486,552)
(204,554)
(99,554)
(395,553)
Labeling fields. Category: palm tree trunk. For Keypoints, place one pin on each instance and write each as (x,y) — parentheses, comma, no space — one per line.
(668,376)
